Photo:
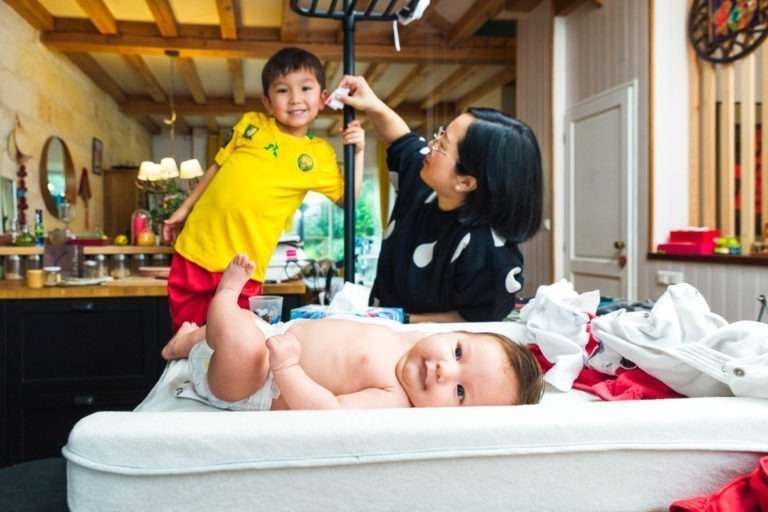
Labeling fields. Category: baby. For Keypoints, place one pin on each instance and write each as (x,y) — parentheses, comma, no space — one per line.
(238,361)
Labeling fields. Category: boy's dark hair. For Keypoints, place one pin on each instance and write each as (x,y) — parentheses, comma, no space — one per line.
(530,379)
(502,154)
(289,60)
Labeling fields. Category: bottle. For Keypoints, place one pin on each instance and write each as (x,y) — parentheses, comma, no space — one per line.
(39,230)
(13,268)
(25,239)
(101,265)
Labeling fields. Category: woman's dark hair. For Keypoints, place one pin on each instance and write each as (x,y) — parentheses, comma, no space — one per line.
(502,154)
(289,60)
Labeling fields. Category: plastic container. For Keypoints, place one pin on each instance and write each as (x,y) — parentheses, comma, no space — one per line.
(137,261)
(89,269)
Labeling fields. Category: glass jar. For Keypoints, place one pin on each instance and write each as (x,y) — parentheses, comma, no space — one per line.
(51,276)
(140,222)
(89,269)
(13,268)
(120,267)
(34,262)
(137,261)
(101,265)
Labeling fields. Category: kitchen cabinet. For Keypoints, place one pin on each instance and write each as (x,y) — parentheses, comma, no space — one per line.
(67,358)
(121,198)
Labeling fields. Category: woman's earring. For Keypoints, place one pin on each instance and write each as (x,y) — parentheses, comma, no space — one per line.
(457,187)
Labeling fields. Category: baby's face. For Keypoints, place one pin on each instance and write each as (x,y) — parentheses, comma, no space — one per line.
(451,369)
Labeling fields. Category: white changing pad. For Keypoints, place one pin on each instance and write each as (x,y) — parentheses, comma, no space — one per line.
(567,453)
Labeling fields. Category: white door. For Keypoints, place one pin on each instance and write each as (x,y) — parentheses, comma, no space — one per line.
(600,154)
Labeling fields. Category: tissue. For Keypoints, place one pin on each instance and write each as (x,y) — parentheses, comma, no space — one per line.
(352,299)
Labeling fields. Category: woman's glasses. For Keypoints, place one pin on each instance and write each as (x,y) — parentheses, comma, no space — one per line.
(434,144)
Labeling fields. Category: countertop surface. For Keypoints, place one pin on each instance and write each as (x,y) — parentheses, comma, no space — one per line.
(126,287)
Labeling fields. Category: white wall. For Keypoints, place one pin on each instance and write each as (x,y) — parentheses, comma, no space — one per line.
(670,119)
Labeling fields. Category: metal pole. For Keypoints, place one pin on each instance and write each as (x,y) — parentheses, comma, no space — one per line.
(349,152)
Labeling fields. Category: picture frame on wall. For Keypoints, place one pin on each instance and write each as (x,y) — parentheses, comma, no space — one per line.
(96,156)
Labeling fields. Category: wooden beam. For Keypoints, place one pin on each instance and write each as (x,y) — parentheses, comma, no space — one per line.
(447,86)
(414,78)
(473,19)
(264,48)
(211,124)
(136,106)
(100,15)
(521,5)
(142,72)
(238,80)
(227,20)
(289,27)
(372,75)
(331,67)
(565,7)
(95,72)
(501,78)
(164,18)
(151,126)
(34,12)
(192,78)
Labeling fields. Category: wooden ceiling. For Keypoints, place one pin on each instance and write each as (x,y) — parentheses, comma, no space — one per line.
(459,51)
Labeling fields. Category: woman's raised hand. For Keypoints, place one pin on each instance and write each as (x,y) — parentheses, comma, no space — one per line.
(361,96)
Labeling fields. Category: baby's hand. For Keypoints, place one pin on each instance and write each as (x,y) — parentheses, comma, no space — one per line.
(284,351)
(354,134)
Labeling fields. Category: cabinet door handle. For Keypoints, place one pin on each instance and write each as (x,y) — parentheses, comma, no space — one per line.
(83,306)
(85,400)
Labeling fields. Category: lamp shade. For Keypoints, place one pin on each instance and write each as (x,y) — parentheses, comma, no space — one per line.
(168,168)
(149,171)
(191,169)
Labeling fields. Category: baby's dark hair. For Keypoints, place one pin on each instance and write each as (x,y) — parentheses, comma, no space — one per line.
(502,154)
(289,60)
(530,379)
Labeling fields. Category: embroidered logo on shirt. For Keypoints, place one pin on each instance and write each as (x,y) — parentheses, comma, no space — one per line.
(250,131)
(273,147)
(305,162)
(227,139)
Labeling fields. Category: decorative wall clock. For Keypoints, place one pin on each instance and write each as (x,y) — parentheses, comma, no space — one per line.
(725,30)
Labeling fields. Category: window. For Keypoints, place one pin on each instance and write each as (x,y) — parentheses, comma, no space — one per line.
(320,225)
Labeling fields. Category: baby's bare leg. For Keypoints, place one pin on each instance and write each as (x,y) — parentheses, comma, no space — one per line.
(239,364)
(188,335)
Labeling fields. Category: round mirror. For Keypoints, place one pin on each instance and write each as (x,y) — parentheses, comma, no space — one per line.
(57,175)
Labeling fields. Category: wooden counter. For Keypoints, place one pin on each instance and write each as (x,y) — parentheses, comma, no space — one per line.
(6,250)
(127,287)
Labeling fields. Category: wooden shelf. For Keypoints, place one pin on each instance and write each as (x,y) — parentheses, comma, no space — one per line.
(7,250)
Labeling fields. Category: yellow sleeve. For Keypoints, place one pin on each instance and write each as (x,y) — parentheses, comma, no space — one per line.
(235,138)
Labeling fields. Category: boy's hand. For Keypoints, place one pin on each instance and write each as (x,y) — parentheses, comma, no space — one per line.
(284,351)
(354,134)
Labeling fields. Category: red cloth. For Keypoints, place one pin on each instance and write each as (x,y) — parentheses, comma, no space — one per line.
(748,493)
(191,288)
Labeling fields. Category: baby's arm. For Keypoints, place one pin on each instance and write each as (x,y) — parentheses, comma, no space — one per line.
(301,392)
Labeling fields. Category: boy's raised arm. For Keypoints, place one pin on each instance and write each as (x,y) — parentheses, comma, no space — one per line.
(178,217)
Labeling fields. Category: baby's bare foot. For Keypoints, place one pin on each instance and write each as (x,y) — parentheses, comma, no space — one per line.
(180,345)
(236,274)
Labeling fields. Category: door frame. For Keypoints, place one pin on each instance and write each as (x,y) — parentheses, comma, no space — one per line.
(624,97)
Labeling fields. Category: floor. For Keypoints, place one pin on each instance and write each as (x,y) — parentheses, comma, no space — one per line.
(34,486)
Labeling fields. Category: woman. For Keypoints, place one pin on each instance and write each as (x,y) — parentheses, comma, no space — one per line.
(465,200)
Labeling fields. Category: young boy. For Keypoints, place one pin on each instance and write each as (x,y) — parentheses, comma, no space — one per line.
(238,361)
(259,179)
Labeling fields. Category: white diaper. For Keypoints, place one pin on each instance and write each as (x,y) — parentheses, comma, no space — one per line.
(198,388)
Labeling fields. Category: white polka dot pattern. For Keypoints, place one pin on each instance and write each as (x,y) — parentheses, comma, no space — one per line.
(511,283)
(460,248)
(431,198)
(422,256)
(498,241)
(389,230)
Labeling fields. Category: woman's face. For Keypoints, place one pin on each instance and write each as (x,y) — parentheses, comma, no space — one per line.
(440,164)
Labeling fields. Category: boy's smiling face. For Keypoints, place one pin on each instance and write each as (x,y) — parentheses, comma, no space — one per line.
(295,99)
(458,368)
